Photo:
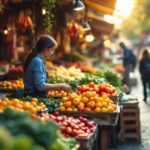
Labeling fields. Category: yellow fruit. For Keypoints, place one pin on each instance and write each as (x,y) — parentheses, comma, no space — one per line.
(104,104)
(81,105)
(99,104)
(87,109)
(72,96)
(84,100)
(76,101)
(104,109)
(110,109)
(67,104)
(91,104)
(33,110)
(62,108)
(97,109)
(64,99)
(34,100)
(69,109)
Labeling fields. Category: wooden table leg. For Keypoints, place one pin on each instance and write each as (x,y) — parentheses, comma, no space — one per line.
(104,138)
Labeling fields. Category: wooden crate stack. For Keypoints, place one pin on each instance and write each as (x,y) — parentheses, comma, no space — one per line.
(130,123)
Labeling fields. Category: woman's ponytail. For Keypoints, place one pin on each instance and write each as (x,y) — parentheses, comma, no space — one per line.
(29,58)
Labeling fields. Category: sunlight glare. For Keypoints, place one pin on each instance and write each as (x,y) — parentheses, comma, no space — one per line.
(124,7)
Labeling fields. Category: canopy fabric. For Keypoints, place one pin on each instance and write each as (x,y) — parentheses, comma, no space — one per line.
(102,6)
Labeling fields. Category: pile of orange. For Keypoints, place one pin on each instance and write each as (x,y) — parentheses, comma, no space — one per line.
(57,93)
(12,85)
(88,102)
(34,106)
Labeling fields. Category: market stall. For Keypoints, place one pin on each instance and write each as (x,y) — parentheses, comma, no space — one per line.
(87,116)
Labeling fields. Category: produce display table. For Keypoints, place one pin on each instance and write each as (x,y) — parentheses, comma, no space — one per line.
(105,120)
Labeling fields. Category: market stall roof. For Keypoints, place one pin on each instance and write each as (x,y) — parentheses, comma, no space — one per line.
(102,6)
(96,11)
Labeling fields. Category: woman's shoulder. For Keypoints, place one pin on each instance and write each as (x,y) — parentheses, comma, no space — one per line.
(37,59)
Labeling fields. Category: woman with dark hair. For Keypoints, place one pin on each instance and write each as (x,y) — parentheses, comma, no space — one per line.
(144,68)
(35,75)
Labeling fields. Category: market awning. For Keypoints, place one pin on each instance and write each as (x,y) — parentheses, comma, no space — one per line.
(102,6)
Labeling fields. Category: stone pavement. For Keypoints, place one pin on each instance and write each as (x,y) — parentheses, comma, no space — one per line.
(145,121)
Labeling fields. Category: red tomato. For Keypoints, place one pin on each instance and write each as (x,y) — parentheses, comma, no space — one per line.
(91,84)
(96,89)
(79,88)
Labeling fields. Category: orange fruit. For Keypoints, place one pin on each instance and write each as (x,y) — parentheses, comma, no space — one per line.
(4,103)
(104,109)
(81,105)
(64,99)
(87,109)
(5,99)
(99,104)
(110,109)
(104,96)
(34,100)
(114,106)
(72,96)
(97,109)
(19,106)
(104,104)
(84,100)
(91,104)
(33,110)
(33,103)
(62,108)
(67,104)
(76,101)
(69,109)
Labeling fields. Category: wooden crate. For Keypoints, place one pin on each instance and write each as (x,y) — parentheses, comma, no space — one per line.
(101,118)
(89,142)
(130,125)
(130,104)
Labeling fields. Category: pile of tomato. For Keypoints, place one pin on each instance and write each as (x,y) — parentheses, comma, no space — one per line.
(102,88)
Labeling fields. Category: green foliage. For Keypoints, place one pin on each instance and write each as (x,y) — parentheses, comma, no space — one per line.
(50,103)
(31,134)
(48,20)
(138,21)
(113,79)
(21,124)
(9,142)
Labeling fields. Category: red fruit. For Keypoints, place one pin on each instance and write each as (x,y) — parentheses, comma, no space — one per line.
(90,125)
(79,88)
(91,84)
(69,130)
(56,114)
(65,123)
(82,124)
(96,89)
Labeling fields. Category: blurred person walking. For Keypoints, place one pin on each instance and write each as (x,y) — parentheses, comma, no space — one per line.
(129,63)
(144,68)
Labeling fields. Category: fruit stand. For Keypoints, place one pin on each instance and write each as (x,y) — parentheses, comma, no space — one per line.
(87,114)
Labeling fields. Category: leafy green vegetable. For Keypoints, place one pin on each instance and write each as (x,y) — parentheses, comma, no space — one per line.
(113,79)
(50,103)
(44,135)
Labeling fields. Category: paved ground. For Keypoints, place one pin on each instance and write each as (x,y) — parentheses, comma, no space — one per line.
(145,122)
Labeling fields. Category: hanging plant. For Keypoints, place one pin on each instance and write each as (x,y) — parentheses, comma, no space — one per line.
(1,6)
(48,19)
